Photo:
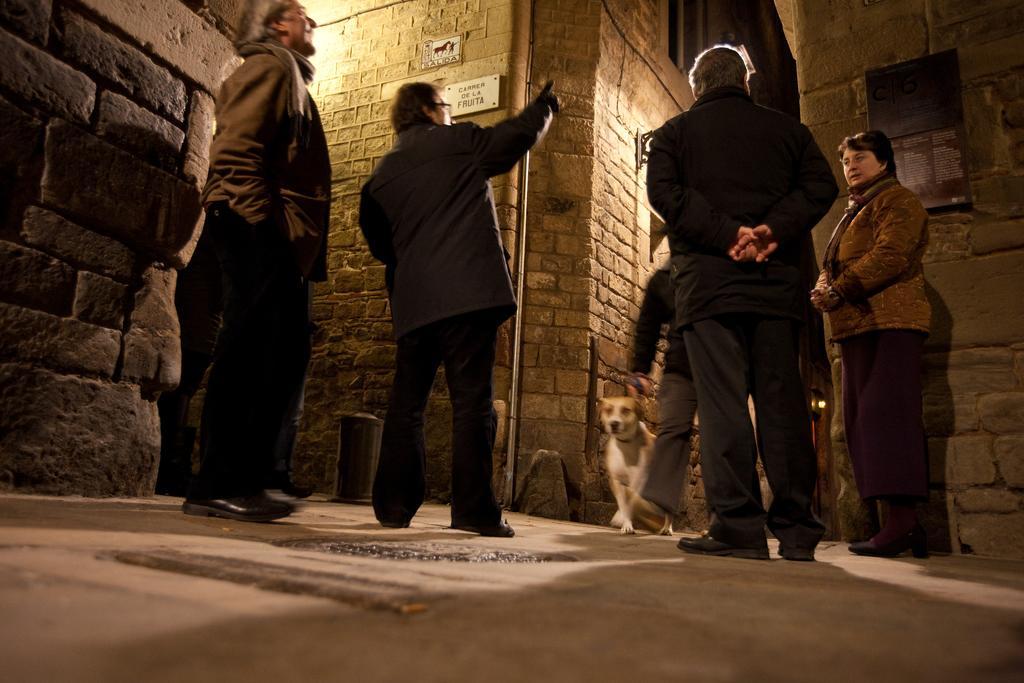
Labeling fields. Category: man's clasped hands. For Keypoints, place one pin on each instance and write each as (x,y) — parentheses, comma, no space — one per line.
(757,244)
(753,244)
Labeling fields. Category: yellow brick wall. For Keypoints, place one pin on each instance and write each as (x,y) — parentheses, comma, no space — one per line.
(637,90)
(588,251)
(556,323)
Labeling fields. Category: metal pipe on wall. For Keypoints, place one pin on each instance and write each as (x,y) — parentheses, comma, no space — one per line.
(512,441)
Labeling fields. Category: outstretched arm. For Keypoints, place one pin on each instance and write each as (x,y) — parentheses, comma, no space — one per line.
(499,147)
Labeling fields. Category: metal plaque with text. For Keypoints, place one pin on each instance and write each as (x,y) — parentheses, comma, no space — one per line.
(931,165)
(917,104)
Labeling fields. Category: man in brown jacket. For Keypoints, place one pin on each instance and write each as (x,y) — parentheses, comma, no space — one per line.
(267,202)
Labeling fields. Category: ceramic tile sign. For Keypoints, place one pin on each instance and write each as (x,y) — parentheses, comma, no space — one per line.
(441,51)
(477,95)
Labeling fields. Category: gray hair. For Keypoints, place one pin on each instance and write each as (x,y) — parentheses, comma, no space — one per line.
(254,26)
(718,67)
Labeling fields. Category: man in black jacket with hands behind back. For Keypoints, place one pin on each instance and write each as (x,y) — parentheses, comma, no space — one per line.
(740,187)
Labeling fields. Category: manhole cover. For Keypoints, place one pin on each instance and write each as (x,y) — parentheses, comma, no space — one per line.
(431,552)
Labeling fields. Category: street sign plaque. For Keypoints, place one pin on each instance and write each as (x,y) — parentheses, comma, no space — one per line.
(477,95)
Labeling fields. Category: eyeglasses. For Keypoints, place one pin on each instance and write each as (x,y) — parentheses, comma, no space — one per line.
(443,105)
(300,14)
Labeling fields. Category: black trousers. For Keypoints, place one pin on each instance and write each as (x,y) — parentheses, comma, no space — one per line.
(175,441)
(466,346)
(285,448)
(198,302)
(260,360)
(734,356)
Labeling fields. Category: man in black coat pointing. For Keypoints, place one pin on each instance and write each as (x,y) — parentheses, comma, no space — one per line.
(427,212)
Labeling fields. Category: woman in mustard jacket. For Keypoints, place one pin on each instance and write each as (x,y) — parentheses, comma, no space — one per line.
(872,288)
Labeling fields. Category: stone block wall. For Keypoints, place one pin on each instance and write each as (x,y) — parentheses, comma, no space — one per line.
(107,117)
(974,389)
(363,56)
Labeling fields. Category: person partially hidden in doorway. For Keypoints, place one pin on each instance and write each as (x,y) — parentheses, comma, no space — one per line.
(658,501)
(427,212)
(198,302)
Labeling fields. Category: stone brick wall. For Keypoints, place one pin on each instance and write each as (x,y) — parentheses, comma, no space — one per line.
(107,117)
(974,386)
(364,55)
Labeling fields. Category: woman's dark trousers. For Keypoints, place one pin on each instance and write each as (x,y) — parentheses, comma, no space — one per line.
(260,360)
(733,356)
(466,345)
(882,413)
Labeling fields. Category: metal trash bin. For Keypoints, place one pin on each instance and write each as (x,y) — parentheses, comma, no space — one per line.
(358,451)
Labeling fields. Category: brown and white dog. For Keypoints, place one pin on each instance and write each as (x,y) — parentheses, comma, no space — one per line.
(627,455)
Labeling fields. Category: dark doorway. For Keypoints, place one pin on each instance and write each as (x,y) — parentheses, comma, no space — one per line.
(754,26)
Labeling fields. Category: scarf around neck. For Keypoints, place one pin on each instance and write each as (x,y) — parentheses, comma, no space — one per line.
(300,110)
(860,196)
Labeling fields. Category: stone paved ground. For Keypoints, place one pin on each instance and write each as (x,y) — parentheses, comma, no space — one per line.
(131,589)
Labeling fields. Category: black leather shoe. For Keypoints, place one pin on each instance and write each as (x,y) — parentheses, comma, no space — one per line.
(916,541)
(499,530)
(706,545)
(796,554)
(257,508)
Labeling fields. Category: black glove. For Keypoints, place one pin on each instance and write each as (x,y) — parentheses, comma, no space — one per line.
(548,98)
